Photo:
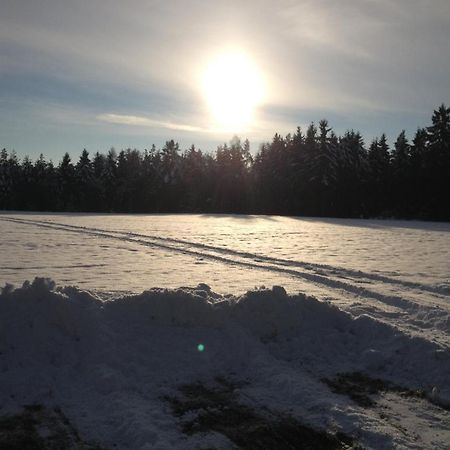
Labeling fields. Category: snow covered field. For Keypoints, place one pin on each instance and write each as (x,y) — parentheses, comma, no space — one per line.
(109,351)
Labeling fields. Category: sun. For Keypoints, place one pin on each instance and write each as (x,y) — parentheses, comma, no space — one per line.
(233,88)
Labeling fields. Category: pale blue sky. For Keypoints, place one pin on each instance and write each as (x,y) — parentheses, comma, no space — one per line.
(95,74)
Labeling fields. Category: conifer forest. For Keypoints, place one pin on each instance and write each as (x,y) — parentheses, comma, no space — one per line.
(312,172)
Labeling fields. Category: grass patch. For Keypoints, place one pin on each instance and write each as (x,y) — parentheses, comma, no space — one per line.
(216,408)
(40,428)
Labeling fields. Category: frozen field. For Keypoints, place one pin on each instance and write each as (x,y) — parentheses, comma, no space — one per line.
(391,269)
(384,311)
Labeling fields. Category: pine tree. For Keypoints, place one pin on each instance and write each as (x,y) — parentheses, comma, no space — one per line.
(438,164)
(66,183)
(25,185)
(352,172)
(417,157)
(84,175)
(401,182)
(109,180)
(44,184)
(4,180)
(326,169)
(379,177)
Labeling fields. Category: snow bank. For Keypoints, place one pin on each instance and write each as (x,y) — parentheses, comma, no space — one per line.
(109,363)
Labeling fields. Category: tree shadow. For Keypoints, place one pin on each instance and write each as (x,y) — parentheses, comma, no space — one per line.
(243,217)
(379,224)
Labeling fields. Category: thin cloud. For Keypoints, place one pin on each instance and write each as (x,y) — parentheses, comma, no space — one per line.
(142,121)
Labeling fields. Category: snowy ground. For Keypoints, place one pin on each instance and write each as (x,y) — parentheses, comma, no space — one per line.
(110,355)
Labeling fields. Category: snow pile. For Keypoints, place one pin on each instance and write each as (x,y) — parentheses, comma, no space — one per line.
(108,364)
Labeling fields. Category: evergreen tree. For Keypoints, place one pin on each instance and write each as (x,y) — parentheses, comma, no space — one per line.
(66,184)
(417,155)
(379,186)
(352,172)
(309,174)
(438,163)
(25,185)
(232,174)
(196,185)
(296,150)
(109,180)
(170,170)
(326,170)
(44,185)
(401,180)
(84,179)
(272,176)
(5,182)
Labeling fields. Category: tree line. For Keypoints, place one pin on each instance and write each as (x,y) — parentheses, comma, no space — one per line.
(315,173)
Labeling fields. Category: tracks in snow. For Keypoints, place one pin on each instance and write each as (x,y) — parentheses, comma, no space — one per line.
(359,284)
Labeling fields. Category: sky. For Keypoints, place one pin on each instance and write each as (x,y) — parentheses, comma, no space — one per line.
(128,74)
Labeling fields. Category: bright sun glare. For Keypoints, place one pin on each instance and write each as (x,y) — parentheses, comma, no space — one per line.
(233,88)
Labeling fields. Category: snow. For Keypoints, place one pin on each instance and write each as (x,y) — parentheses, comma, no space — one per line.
(101,345)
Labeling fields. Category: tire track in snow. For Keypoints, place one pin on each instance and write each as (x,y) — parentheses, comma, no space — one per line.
(238,258)
(319,269)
